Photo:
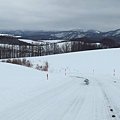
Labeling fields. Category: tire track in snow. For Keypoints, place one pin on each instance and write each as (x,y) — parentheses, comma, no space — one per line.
(37,100)
(63,111)
(106,101)
(115,88)
(33,107)
(75,106)
(65,102)
(94,108)
(55,106)
(115,99)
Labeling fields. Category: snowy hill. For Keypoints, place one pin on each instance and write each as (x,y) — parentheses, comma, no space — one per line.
(26,94)
(101,61)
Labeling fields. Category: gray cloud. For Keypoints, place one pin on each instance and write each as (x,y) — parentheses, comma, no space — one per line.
(60,14)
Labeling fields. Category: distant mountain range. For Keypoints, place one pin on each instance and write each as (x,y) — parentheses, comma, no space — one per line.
(65,35)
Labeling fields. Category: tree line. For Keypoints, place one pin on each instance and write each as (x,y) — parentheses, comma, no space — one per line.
(18,50)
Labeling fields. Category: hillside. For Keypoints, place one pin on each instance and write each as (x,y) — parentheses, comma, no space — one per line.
(101,61)
(26,94)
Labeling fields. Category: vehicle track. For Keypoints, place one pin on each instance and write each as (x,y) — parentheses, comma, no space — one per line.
(34,108)
(70,101)
(107,101)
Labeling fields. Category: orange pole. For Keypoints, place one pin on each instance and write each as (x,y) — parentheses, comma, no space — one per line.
(47,76)
(65,71)
(114,73)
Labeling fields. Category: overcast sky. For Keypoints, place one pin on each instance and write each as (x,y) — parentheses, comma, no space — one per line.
(101,15)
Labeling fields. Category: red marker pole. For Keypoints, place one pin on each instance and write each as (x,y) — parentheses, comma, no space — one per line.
(47,76)
(65,71)
(47,71)
(114,72)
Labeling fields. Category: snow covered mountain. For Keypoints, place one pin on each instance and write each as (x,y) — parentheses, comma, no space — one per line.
(70,34)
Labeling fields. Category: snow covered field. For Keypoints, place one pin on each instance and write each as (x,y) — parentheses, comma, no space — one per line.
(97,61)
(40,41)
(26,94)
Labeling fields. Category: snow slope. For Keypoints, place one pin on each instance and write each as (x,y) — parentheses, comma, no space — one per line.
(100,61)
(26,94)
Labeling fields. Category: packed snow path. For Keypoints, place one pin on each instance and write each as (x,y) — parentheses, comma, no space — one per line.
(72,100)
